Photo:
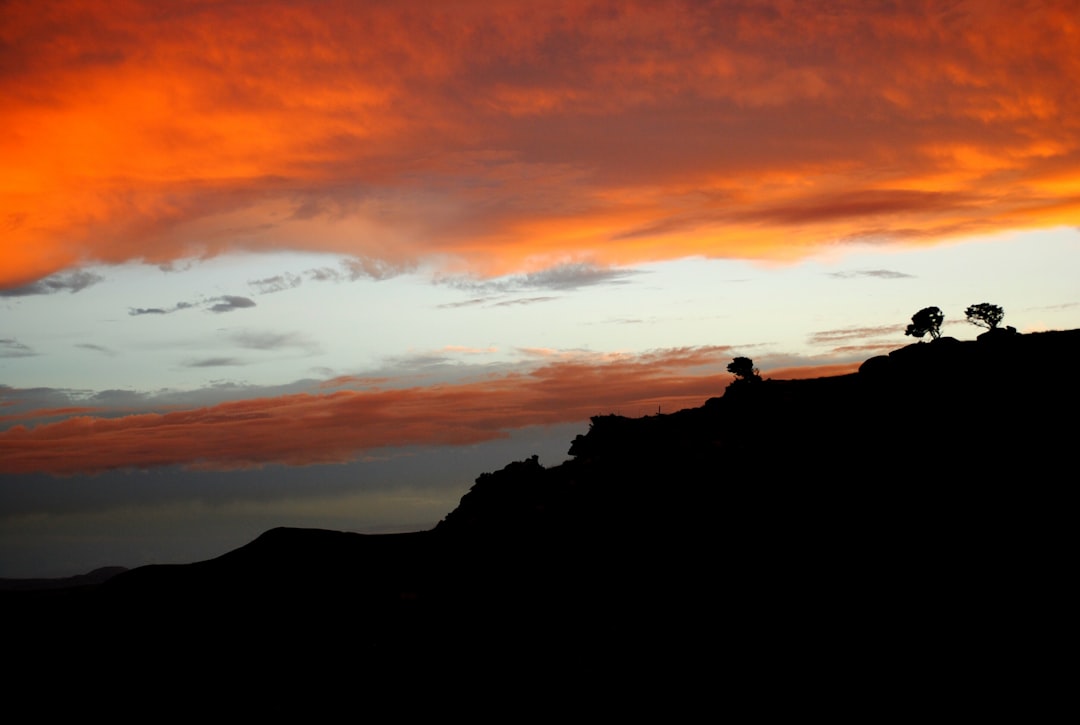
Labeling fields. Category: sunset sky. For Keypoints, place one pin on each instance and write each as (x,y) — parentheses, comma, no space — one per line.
(324,263)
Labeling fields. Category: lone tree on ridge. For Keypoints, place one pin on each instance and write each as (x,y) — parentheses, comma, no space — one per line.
(926,320)
(985,315)
(743,369)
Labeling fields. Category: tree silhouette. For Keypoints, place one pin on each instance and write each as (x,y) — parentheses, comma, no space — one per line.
(926,320)
(985,315)
(743,369)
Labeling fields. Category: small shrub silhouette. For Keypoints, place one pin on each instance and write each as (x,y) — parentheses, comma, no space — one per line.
(926,320)
(743,369)
(985,315)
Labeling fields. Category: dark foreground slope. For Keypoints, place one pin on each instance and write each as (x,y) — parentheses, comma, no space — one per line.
(905,523)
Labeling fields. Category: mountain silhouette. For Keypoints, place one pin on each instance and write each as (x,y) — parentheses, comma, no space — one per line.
(910,515)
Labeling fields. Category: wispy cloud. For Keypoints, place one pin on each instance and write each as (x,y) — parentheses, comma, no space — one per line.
(561,278)
(96,348)
(523,301)
(461,349)
(831,337)
(574,276)
(271,341)
(277,283)
(877,273)
(137,311)
(352,269)
(349,269)
(72,283)
(865,350)
(219,304)
(214,362)
(10,347)
(474,302)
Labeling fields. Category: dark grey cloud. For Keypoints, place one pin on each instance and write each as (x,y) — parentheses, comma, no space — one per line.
(228,303)
(74,282)
(466,303)
(136,311)
(878,273)
(573,276)
(325,274)
(10,347)
(118,402)
(214,362)
(277,283)
(96,348)
(563,277)
(115,397)
(524,301)
(352,269)
(254,340)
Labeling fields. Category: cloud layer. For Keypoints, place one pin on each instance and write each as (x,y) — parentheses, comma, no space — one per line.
(507,138)
(337,426)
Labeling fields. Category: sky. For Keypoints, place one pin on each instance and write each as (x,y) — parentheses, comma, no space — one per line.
(324,263)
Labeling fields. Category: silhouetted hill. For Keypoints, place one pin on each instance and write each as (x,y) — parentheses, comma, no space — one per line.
(911,514)
(97,576)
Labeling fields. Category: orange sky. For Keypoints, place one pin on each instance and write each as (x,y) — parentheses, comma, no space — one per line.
(558,145)
(501,136)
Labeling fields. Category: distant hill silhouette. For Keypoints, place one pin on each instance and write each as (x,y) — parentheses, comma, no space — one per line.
(97,576)
(907,515)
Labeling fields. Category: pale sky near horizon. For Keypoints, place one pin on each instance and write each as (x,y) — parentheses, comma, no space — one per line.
(322,264)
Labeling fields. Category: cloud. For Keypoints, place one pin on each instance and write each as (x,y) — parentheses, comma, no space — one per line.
(524,301)
(863,204)
(372,268)
(228,303)
(563,277)
(462,349)
(222,303)
(214,362)
(72,283)
(864,351)
(574,276)
(497,141)
(352,269)
(465,303)
(137,311)
(10,347)
(253,340)
(277,283)
(878,273)
(97,348)
(809,372)
(830,337)
(304,429)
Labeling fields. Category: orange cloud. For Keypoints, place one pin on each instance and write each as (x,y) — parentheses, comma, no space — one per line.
(510,136)
(306,429)
(814,371)
(337,427)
